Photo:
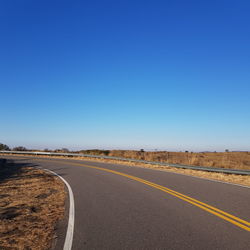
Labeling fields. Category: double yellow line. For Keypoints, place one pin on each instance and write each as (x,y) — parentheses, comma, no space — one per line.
(213,210)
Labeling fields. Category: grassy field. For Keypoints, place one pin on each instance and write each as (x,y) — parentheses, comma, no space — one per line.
(236,160)
(32,203)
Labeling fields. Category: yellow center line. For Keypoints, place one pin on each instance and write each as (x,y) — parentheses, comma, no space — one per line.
(196,201)
(213,210)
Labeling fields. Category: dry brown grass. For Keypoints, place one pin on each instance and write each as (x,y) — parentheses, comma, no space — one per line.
(32,202)
(236,160)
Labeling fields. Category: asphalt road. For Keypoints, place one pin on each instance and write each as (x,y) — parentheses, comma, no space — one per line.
(113,211)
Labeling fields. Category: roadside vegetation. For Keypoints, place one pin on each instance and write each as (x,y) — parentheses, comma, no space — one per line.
(231,160)
(31,205)
(227,159)
(235,160)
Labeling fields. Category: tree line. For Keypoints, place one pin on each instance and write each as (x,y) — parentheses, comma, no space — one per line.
(7,148)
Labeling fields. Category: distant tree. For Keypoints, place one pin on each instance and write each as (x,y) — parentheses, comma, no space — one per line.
(19,148)
(227,150)
(105,152)
(186,151)
(64,150)
(46,150)
(4,147)
(83,151)
(141,154)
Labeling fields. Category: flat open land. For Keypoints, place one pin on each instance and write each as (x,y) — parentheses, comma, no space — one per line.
(32,203)
(235,160)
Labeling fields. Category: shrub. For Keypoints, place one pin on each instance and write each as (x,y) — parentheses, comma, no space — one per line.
(19,148)
(4,147)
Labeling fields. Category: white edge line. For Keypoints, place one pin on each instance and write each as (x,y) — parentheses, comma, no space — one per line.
(70,230)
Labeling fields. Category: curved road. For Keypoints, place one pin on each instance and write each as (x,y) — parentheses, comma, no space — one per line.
(123,207)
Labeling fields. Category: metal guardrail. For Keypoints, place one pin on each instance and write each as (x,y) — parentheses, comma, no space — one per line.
(209,169)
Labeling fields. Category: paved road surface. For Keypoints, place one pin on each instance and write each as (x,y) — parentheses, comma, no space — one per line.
(113,211)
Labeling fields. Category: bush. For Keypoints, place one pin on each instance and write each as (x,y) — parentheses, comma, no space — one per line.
(4,147)
(19,148)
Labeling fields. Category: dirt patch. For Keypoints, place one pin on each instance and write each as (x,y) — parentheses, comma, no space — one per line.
(31,204)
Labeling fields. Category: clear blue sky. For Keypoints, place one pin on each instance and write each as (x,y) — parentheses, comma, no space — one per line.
(171,75)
